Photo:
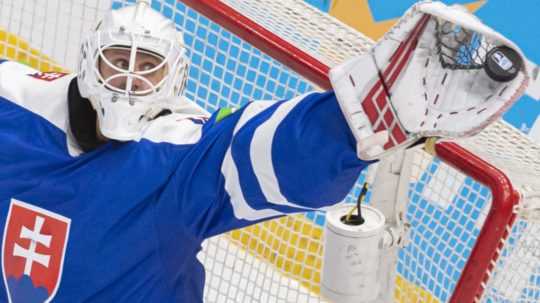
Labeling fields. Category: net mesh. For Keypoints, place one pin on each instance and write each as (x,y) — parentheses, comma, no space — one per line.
(280,260)
(515,277)
(459,48)
(46,34)
(446,210)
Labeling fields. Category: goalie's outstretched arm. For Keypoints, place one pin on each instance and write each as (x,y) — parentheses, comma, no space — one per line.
(268,159)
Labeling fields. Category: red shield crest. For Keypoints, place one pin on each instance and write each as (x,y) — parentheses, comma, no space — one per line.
(33,251)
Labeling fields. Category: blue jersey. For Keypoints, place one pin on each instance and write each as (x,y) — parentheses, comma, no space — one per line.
(124,221)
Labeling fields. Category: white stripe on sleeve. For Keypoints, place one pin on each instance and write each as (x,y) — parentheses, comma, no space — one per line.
(261,154)
(241,209)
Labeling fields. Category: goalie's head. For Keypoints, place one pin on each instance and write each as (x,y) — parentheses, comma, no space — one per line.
(130,69)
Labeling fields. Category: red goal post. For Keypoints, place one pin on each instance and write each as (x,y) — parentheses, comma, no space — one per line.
(498,222)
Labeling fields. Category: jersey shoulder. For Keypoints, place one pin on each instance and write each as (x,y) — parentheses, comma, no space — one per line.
(43,93)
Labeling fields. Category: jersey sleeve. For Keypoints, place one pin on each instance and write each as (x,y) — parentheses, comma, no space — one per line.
(43,93)
(266,160)
(14,81)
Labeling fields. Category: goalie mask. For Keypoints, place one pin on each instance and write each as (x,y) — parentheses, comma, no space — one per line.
(131,68)
(439,72)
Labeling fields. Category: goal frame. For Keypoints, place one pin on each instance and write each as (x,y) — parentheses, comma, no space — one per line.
(505,198)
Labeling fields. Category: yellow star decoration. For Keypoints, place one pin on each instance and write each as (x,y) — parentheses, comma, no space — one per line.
(357,14)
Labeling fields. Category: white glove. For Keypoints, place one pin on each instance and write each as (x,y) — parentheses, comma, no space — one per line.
(438,72)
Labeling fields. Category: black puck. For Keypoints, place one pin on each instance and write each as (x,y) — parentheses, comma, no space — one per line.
(503,64)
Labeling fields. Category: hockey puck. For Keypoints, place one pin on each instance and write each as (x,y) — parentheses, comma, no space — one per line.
(502,63)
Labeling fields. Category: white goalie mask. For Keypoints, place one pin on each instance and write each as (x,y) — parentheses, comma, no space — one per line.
(131,69)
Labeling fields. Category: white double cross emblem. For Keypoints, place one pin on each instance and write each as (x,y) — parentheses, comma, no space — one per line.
(30,255)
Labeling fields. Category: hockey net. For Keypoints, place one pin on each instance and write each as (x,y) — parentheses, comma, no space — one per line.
(460,203)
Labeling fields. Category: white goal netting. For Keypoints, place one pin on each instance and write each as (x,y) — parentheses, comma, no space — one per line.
(280,260)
